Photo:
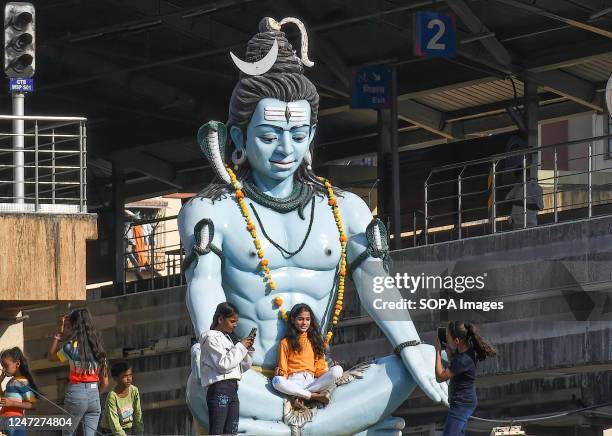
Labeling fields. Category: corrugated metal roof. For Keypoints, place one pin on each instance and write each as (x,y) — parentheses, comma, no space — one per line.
(473,95)
(596,69)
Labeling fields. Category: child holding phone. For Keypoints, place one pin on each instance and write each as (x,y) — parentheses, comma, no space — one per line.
(302,371)
(464,348)
(223,360)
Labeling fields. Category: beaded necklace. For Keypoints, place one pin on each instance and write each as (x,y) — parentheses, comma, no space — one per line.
(264,263)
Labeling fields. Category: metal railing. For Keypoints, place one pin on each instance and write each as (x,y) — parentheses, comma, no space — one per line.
(519,189)
(153,254)
(46,172)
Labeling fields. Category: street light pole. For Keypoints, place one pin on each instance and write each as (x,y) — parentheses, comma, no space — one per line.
(18,146)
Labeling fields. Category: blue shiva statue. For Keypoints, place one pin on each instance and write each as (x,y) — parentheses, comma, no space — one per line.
(266,234)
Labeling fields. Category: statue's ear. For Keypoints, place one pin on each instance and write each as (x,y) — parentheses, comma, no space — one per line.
(237,137)
(313,130)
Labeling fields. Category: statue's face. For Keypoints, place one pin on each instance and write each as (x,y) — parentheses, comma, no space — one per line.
(278,137)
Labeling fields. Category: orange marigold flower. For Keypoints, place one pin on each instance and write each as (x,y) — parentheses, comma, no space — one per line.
(343,238)
(239,194)
(264,262)
(278,301)
(332,202)
(342,272)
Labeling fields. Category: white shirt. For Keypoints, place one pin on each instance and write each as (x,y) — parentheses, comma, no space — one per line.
(221,359)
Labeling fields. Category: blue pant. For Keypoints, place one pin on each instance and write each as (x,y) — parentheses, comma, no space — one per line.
(82,402)
(457,419)
(223,407)
(15,431)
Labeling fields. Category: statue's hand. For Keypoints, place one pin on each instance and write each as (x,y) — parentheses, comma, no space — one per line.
(421,361)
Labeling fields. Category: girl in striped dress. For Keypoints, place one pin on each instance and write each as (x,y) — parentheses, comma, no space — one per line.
(21,391)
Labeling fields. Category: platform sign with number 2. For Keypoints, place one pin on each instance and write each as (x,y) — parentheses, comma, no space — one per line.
(434,34)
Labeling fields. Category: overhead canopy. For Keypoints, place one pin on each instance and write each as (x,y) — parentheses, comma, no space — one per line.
(148,74)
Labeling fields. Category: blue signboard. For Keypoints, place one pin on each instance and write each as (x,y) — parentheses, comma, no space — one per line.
(371,87)
(21,85)
(435,34)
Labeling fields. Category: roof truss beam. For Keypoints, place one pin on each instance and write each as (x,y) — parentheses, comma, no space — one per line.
(567,85)
(427,118)
(469,18)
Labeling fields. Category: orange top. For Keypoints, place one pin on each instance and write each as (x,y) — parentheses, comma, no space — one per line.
(290,362)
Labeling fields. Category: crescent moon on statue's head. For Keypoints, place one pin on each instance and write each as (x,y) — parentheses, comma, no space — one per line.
(261,66)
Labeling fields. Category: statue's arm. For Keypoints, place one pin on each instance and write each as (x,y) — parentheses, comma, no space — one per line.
(204,290)
(397,326)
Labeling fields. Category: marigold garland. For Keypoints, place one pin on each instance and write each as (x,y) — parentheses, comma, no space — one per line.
(342,272)
(263,262)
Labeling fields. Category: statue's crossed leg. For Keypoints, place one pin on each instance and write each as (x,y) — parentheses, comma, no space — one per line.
(362,404)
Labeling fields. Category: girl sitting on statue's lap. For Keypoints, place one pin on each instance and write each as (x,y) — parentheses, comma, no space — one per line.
(302,371)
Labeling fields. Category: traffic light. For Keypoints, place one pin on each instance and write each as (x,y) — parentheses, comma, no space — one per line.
(19,39)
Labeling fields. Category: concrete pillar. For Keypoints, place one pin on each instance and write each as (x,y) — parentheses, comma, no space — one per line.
(530,90)
(388,184)
(118,224)
(383,156)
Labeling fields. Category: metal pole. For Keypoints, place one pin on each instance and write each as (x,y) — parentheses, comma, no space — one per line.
(53,166)
(81,199)
(397,227)
(18,157)
(36,199)
(524,191)
(152,257)
(426,212)
(493,197)
(459,201)
(414,235)
(84,176)
(530,90)
(555,187)
(119,249)
(590,174)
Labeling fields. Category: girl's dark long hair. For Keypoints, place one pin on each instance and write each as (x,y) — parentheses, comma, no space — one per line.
(468,333)
(314,331)
(16,355)
(90,347)
(225,310)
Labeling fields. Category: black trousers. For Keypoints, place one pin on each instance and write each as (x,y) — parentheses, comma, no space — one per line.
(223,407)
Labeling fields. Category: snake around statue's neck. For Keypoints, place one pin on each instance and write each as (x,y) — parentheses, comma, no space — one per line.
(298,199)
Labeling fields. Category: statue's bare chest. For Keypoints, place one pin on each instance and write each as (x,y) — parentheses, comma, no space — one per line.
(288,240)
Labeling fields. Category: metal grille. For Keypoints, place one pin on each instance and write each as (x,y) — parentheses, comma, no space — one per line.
(153,254)
(516,190)
(47,173)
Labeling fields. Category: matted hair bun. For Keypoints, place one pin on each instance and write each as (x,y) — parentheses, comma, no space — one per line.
(260,44)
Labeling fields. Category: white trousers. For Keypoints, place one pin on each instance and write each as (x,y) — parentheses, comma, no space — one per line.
(301,384)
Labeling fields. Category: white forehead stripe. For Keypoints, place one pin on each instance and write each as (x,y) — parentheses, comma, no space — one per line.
(290,113)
